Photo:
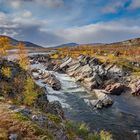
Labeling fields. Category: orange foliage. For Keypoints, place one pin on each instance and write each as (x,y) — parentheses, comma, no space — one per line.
(23,56)
(4,45)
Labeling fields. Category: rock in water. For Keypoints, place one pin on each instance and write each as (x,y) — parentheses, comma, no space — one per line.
(115,89)
(52,81)
(103,99)
(135,87)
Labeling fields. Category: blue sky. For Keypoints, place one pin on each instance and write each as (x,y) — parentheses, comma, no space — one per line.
(53,22)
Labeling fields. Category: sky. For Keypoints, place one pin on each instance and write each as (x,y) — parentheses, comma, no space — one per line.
(53,22)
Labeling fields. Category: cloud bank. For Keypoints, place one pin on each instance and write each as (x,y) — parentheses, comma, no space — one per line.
(53,22)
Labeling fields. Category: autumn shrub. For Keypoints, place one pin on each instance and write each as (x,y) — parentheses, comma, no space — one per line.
(29,93)
(23,56)
(82,130)
(4,46)
(6,71)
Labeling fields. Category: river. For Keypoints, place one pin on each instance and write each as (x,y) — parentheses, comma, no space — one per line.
(121,118)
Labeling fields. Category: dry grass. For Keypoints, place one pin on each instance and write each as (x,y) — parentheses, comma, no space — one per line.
(15,123)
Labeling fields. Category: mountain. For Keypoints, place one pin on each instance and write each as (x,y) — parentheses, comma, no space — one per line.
(131,42)
(27,44)
(66,45)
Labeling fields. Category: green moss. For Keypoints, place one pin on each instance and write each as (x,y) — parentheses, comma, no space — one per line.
(19,117)
(54,118)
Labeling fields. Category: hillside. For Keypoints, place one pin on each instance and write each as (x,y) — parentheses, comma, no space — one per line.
(67,45)
(27,44)
(131,42)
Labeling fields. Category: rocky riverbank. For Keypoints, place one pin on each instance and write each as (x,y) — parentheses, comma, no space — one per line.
(100,79)
(26,112)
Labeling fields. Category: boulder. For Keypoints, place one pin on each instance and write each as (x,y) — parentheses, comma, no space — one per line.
(53,82)
(90,83)
(13,136)
(103,99)
(135,87)
(45,75)
(71,70)
(115,89)
(65,64)
(83,71)
(40,119)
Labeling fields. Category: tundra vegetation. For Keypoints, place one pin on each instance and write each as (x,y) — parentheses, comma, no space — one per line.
(123,56)
(24,105)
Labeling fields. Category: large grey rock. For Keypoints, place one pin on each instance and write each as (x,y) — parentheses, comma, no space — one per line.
(65,64)
(13,136)
(52,81)
(103,99)
(40,119)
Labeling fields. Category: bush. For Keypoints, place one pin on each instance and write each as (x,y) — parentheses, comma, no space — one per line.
(6,71)
(30,94)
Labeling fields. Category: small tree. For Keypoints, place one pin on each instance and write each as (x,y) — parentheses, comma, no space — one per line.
(30,94)
(4,45)
(23,56)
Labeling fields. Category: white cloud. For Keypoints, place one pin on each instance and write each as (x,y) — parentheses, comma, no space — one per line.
(15,3)
(134,4)
(26,14)
(100,32)
(51,3)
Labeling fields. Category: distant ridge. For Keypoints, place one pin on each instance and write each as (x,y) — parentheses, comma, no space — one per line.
(66,45)
(27,44)
(131,42)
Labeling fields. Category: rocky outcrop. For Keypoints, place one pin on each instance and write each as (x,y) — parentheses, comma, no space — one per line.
(42,58)
(53,82)
(47,77)
(91,72)
(53,120)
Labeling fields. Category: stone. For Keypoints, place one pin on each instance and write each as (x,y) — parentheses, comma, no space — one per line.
(52,81)
(115,89)
(13,136)
(135,87)
(55,108)
(26,111)
(40,119)
(65,64)
(103,99)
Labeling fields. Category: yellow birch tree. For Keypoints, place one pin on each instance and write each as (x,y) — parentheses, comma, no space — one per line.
(23,56)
